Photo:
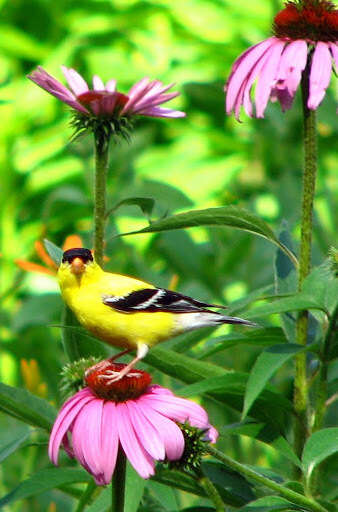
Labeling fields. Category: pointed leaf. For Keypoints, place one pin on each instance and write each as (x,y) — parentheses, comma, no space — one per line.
(178,479)
(318,447)
(231,216)
(271,406)
(146,204)
(54,251)
(265,434)
(26,407)
(102,503)
(297,302)
(233,487)
(265,366)
(269,504)
(257,337)
(10,446)
(45,480)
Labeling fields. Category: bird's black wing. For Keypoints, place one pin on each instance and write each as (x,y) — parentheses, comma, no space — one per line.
(152,300)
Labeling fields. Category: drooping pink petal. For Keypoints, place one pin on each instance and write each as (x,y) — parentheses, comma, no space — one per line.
(75,81)
(47,82)
(155,389)
(334,51)
(86,437)
(145,431)
(171,435)
(292,63)
(109,440)
(267,76)
(98,85)
(320,74)
(178,409)
(69,411)
(138,457)
(242,70)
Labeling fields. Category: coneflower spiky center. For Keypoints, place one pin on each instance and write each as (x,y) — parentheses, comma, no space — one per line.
(310,20)
(99,378)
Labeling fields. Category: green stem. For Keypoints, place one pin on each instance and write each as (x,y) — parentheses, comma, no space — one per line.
(119,482)
(212,493)
(101,167)
(309,182)
(290,495)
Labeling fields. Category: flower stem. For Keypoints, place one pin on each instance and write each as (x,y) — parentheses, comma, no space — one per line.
(101,167)
(309,182)
(119,482)
(212,493)
(290,495)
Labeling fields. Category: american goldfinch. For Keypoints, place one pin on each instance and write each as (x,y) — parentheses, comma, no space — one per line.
(126,312)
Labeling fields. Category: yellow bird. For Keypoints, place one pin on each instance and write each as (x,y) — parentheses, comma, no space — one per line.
(126,312)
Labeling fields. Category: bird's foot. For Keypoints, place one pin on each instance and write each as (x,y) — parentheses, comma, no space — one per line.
(111,376)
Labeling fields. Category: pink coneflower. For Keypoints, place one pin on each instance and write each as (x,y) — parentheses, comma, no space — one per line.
(104,100)
(305,35)
(130,413)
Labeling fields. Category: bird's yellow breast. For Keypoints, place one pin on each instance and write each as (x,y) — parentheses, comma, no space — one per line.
(84,295)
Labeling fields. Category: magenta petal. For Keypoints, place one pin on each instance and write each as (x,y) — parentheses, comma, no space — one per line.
(111,86)
(98,85)
(75,80)
(241,70)
(267,76)
(86,438)
(292,63)
(162,112)
(153,101)
(146,432)
(170,433)
(47,82)
(69,411)
(334,51)
(320,74)
(178,409)
(109,440)
(138,457)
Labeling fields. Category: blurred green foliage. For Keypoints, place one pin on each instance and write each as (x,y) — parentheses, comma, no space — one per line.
(202,161)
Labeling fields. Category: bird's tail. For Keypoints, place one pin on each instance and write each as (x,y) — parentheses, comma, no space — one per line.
(208,318)
(223,319)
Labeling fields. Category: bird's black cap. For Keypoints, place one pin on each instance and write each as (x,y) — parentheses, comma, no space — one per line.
(84,254)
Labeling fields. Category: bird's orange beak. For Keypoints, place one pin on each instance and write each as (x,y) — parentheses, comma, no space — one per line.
(77,266)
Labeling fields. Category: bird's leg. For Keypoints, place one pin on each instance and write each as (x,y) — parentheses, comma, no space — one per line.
(120,354)
(112,376)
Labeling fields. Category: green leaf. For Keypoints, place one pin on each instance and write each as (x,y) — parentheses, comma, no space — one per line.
(297,302)
(257,337)
(233,487)
(269,503)
(26,407)
(198,509)
(285,279)
(318,447)
(265,366)
(54,251)
(10,446)
(134,489)
(231,216)
(265,434)
(271,406)
(102,503)
(146,204)
(45,480)
(178,479)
